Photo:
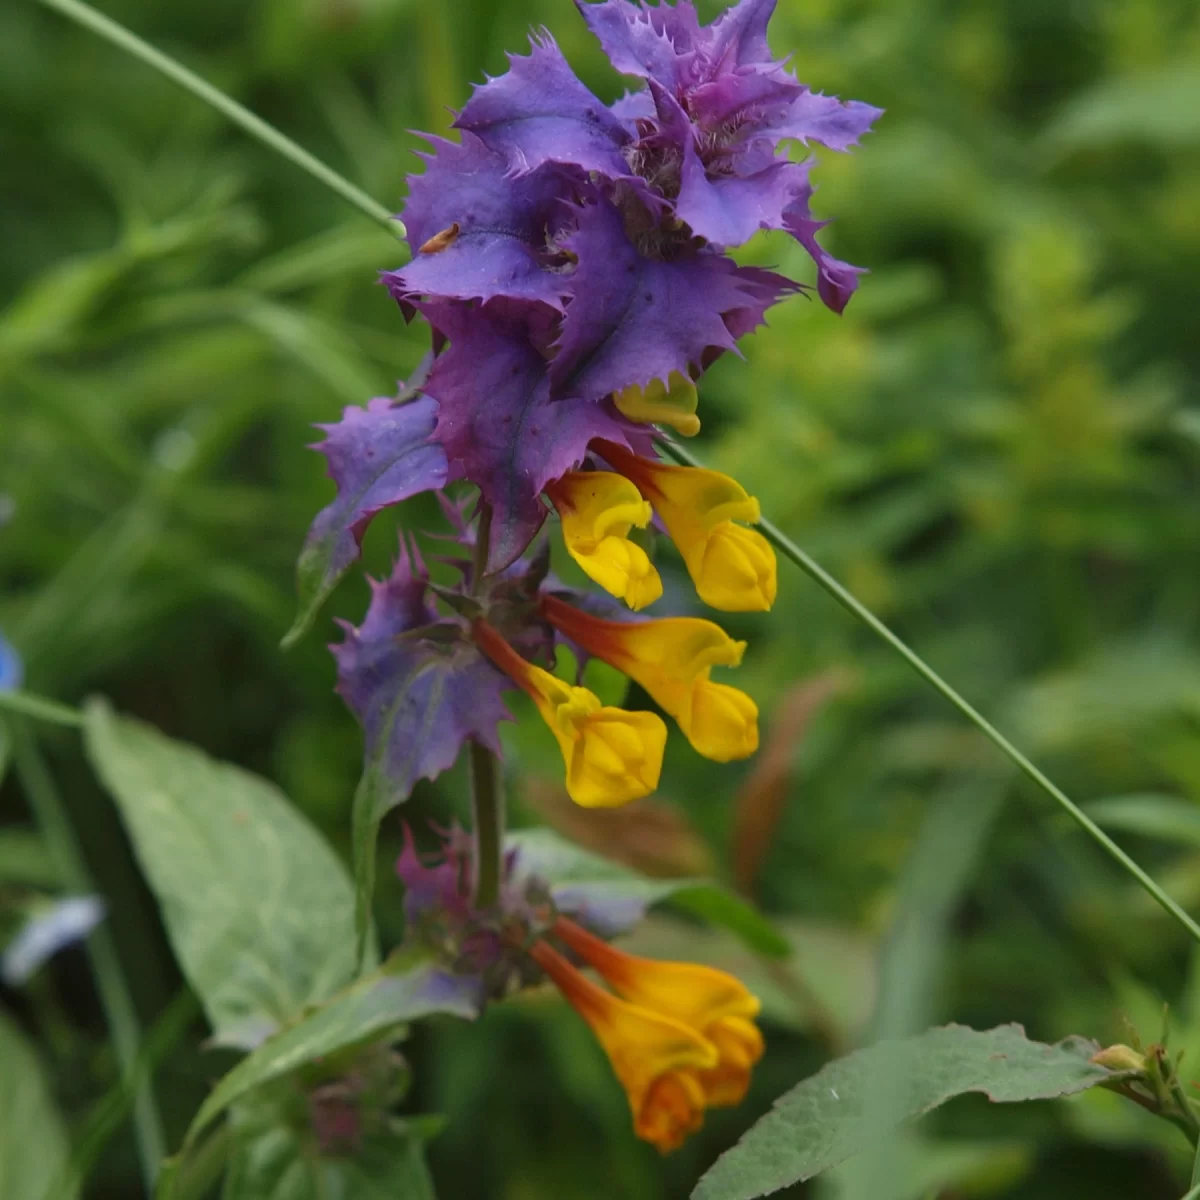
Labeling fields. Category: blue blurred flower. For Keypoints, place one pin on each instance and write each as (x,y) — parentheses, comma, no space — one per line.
(46,933)
(12,669)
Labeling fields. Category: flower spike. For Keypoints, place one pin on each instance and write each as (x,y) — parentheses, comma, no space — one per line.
(672,659)
(598,509)
(656,1057)
(612,756)
(732,567)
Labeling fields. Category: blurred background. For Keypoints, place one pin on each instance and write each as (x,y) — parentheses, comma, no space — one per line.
(997,449)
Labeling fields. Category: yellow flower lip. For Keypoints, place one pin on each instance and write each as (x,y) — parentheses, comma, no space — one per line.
(680,1036)
(733,568)
(611,756)
(597,510)
(672,659)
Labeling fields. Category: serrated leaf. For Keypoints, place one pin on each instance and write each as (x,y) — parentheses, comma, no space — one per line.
(613,898)
(34,1152)
(838,1112)
(258,908)
(401,991)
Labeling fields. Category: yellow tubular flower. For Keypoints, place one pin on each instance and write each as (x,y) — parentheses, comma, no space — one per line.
(672,659)
(598,509)
(732,567)
(662,404)
(612,756)
(658,1060)
(710,1001)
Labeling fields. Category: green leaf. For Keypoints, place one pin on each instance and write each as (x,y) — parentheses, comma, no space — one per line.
(280,1163)
(404,989)
(576,874)
(258,908)
(34,1153)
(1160,108)
(838,1112)
(1149,815)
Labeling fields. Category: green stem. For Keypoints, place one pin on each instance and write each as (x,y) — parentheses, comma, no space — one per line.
(48,808)
(487,797)
(28,705)
(487,803)
(121,37)
(1194,1193)
(812,568)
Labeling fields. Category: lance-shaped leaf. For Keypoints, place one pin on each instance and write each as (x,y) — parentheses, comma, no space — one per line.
(633,319)
(497,421)
(852,1102)
(610,898)
(538,111)
(420,690)
(378,456)
(258,908)
(475,233)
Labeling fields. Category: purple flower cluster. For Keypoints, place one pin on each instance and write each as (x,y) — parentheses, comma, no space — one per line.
(569,249)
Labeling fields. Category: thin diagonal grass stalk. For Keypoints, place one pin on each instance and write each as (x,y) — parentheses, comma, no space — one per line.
(119,36)
(815,571)
(276,141)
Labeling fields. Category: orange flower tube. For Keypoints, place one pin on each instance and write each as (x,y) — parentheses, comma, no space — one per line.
(657,1059)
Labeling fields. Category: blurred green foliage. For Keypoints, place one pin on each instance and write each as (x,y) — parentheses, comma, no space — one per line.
(997,448)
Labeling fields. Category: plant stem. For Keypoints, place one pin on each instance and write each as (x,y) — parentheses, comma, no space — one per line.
(487,797)
(814,570)
(487,803)
(51,815)
(121,37)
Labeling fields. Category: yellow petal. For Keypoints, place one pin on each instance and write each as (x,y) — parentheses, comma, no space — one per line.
(714,1003)
(611,756)
(740,1045)
(659,404)
(732,567)
(672,659)
(598,509)
(656,1059)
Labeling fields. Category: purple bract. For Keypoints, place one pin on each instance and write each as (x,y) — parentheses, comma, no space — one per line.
(568,249)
